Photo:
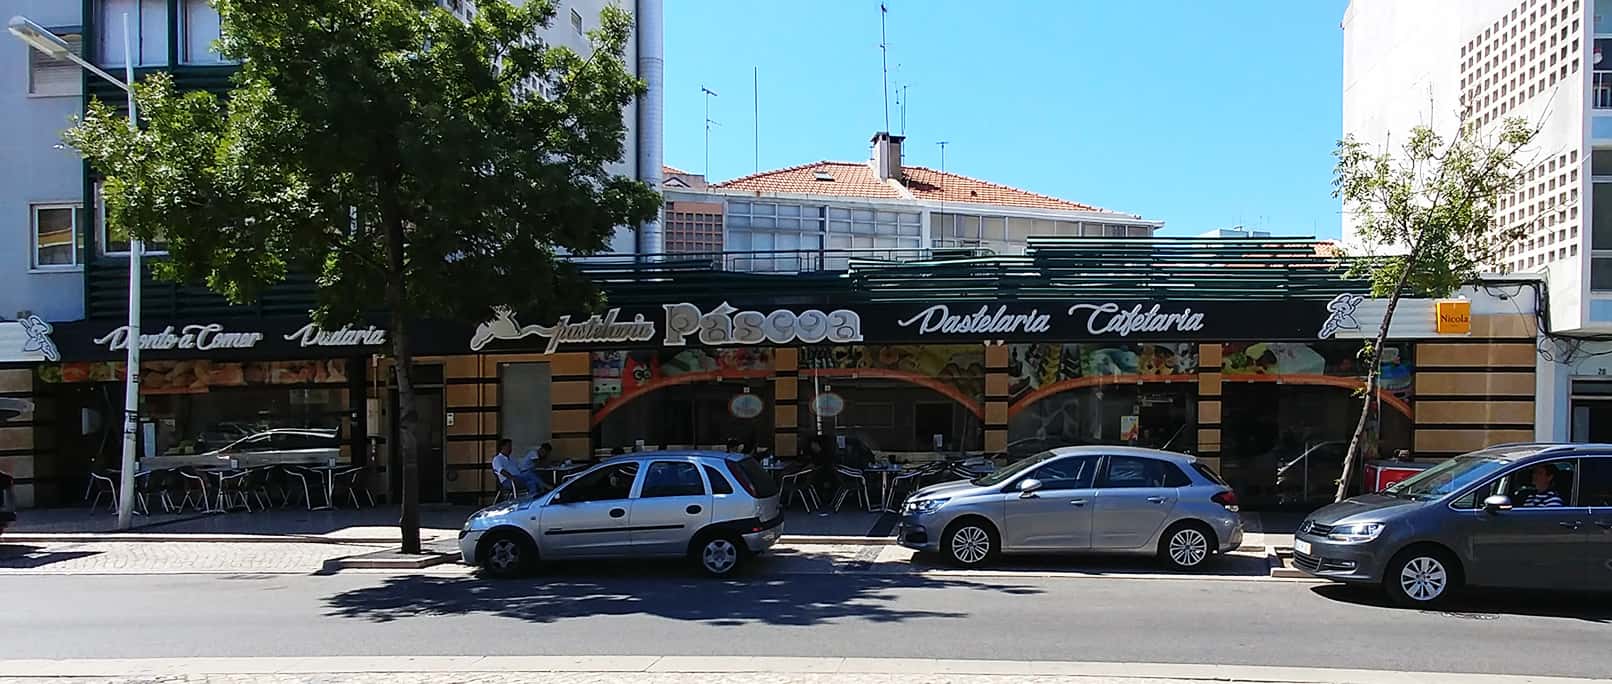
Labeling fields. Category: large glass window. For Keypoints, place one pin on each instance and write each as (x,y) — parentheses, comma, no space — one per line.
(148,31)
(1075,394)
(523,404)
(904,402)
(681,399)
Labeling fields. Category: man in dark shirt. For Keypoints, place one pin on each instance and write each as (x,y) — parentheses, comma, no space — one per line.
(1544,494)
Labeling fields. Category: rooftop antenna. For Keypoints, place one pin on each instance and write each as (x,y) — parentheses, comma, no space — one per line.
(755,88)
(884,65)
(901,99)
(708,95)
(942,179)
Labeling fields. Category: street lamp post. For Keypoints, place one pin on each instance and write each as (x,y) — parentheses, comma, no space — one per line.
(52,45)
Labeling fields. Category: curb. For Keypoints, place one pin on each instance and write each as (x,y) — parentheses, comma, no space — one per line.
(388,560)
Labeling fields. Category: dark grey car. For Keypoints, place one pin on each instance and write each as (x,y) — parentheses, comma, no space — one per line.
(1535,516)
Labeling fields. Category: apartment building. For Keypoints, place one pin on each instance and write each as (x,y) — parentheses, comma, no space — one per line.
(1444,62)
(821,214)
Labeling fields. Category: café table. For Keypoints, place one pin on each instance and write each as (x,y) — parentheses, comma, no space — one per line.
(220,475)
(555,473)
(884,472)
(328,472)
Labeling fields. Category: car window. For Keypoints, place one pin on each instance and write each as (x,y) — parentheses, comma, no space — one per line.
(1173,477)
(1556,479)
(719,484)
(1595,482)
(605,484)
(1135,471)
(672,478)
(1209,474)
(1066,473)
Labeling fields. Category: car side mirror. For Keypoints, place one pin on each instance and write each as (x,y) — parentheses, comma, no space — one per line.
(1497,503)
(1028,487)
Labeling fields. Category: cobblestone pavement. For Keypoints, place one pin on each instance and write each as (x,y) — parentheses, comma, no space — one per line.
(170,557)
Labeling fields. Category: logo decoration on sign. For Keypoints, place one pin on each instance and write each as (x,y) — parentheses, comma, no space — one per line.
(746,405)
(1109,318)
(939,318)
(38,332)
(597,328)
(1341,315)
(726,324)
(199,337)
(828,405)
(1454,317)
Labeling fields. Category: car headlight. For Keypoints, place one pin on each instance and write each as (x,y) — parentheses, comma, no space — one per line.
(926,506)
(1356,532)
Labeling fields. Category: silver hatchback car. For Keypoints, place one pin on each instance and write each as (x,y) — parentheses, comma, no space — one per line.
(714,508)
(1077,499)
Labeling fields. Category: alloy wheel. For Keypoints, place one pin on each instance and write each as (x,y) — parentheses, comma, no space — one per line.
(971,544)
(1188,547)
(719,556)
(505,555)
(1424,579)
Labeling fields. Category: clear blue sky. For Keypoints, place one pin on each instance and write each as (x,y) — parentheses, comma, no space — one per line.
(1201,114)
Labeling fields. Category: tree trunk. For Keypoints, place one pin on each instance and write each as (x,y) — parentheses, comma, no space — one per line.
(1351,460)
(403,364)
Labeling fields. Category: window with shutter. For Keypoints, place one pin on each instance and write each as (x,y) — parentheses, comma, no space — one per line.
(51,77)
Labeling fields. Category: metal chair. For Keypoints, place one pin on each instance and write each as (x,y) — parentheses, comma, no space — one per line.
(851,482)
(299,478)
(351,483)
(101,485)
(232,491)
(508,490)
(793,488)
(911,479)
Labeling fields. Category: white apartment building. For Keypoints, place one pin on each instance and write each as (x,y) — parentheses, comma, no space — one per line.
(1437,62)
(822,214)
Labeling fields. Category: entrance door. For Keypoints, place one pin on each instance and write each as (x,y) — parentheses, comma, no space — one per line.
(1592,411)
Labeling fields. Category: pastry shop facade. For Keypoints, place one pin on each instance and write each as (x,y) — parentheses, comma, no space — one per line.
(1263,387)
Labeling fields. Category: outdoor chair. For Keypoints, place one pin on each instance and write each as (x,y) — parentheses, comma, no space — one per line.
(101,485)
(852,483)
(351,483)
(798,485)
(299,481)
(508,490)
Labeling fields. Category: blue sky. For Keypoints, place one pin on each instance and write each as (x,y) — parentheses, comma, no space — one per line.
(1201,114)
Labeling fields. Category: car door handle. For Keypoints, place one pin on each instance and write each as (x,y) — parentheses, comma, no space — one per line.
(617,512)
(1156,499)
(1077,502)
(1570,524)
(693,510)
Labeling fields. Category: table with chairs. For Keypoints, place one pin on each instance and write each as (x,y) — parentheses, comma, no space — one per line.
(222,488)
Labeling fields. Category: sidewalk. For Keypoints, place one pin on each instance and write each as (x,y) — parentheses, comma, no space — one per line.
(714,670)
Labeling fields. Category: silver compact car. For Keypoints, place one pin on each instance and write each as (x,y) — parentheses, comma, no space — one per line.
(1100,499)
(715,508)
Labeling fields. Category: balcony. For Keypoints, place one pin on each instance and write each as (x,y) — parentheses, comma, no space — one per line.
(1601,89)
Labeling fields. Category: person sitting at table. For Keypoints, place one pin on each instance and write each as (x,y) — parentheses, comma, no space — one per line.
(505,468)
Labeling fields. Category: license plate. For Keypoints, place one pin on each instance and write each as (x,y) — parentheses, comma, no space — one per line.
(1301,546)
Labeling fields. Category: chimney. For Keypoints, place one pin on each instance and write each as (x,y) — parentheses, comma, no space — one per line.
(887,155)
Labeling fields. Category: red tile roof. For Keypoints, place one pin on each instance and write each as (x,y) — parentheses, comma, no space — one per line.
(857,179)
(666,170)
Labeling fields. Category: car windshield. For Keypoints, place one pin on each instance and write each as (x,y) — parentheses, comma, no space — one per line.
(1007,473)
(1448,477)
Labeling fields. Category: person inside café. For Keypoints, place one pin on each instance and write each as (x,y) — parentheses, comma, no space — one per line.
(505,468)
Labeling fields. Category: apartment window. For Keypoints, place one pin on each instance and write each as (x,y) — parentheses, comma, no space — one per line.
(576,21)
(116,241)
(148,31)
(200,28)
(55,235)
(48,77)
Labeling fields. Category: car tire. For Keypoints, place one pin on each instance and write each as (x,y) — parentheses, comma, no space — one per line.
(719,555)
(970,543)
(1186,546)
(1421,577)
(507,553)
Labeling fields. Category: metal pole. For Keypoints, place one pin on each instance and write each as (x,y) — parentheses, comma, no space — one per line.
(131,384)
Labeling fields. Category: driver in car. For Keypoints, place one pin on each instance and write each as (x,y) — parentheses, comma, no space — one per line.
(1544,494)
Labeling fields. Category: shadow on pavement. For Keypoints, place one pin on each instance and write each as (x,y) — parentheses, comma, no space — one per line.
(24,557)
(664,589)
(1488,603)
(1224,565)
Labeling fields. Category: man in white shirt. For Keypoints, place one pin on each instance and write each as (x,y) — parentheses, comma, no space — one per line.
(505,468)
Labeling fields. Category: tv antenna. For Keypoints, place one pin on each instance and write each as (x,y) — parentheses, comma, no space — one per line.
(884,65)
(708,95)
(755,89)
(943,144)
(901,104)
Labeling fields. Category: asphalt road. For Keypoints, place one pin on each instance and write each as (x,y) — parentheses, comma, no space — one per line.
(582,611)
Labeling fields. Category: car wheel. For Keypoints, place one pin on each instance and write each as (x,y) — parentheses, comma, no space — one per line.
(970,543)
(507,554)
(1186,546)
(719,556)
(1421,577)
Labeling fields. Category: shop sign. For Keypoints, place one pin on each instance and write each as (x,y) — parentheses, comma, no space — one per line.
(1454,316)
(596,329)
(939,318)
(199,337)
(1111,318)
(1341,315)
(311,335)
(725,324)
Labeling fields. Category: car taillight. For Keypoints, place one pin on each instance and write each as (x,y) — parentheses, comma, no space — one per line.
(744,480)
(1227,498)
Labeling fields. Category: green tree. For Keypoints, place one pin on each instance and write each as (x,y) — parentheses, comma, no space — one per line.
(1427,217)
(412,162)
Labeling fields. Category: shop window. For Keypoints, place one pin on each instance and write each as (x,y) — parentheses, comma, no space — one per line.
(681,399)
(901,402)
(524,403)
(1082,394)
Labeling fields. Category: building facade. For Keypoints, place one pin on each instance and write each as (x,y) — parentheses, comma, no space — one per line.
(1444,62)
(874,209)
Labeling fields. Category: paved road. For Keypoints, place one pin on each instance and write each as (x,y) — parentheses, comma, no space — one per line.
(659,612)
